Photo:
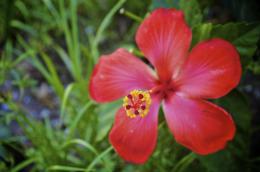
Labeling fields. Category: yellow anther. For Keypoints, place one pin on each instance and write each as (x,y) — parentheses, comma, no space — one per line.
(137,103)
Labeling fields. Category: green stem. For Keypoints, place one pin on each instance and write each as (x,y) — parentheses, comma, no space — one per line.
(184,162)
(131,15)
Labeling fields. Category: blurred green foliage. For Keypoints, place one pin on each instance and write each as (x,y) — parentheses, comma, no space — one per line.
(58,42)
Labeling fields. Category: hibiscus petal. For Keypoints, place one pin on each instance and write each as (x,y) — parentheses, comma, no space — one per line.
(134,139)
(164,38)
(197,124)
(117,74)
(212,69)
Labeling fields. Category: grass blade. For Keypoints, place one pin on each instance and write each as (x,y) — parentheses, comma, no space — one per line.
(22,165)
(77,119)
(64,168)
(98,158)
(104,24)
(65,99)
(184,162)
(80,142)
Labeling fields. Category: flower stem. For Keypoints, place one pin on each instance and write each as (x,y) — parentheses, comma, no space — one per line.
(130,15)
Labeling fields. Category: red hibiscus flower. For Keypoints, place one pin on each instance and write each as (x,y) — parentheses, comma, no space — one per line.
(181,80)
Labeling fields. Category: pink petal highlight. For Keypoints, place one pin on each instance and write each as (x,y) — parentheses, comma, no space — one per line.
(164,38)
(197,124)
(117,74)
(212,70)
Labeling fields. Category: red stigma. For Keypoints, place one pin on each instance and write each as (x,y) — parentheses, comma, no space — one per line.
(129,96)
(140,96)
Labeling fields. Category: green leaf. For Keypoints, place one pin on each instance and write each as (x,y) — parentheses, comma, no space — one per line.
(220,161)
(192,12)
(254,66)
(201,32)
(247,43)
(237,104)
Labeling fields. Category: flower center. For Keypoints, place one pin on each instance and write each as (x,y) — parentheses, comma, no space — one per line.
(137,103)
(163,89)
